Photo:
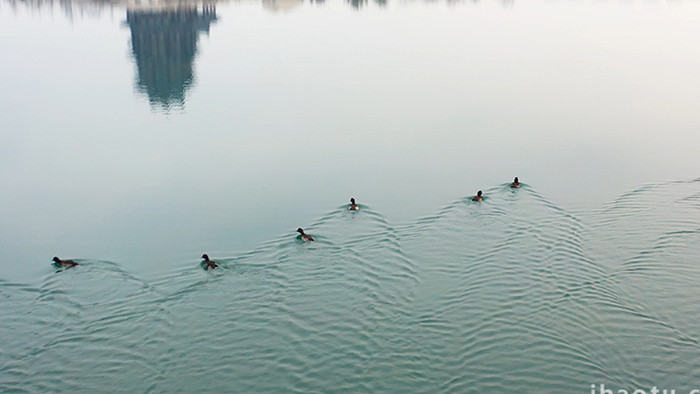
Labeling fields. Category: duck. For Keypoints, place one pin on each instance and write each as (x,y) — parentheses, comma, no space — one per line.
(478,196)
(64,263)
(304,236)
(515,184)
(209,264)
(353,206)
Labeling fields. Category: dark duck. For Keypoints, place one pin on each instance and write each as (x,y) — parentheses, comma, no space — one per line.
(209,264)
(304,236)
(353,206)
(64,263)
(478,197)
(515,184)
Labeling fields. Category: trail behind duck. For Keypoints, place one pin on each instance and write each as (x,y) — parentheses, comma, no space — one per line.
(511,293)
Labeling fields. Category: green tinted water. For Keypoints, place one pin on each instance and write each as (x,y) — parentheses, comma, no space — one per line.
(138,136)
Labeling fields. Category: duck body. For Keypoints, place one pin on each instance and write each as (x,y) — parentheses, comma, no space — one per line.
(515,184)
(304,236)
(209,264)
(64,263)
(353,206)
(478,197)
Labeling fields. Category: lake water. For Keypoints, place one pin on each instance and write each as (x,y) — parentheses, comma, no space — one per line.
(138,135)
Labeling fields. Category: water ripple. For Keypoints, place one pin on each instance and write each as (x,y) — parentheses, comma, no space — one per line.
(511,292)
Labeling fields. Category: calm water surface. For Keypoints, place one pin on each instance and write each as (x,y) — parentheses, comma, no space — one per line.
(138,135)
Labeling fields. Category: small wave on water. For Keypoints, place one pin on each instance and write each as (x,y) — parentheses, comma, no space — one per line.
(509,294)
(78,327)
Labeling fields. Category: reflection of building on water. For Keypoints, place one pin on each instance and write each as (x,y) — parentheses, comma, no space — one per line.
(281,5)
(71,8)
(164,44)
(357,4)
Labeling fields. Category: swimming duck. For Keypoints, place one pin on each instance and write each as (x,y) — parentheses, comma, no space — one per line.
(64,263)
(210,264)
(515,184)
(353,206)
(478,196)
(304,236)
